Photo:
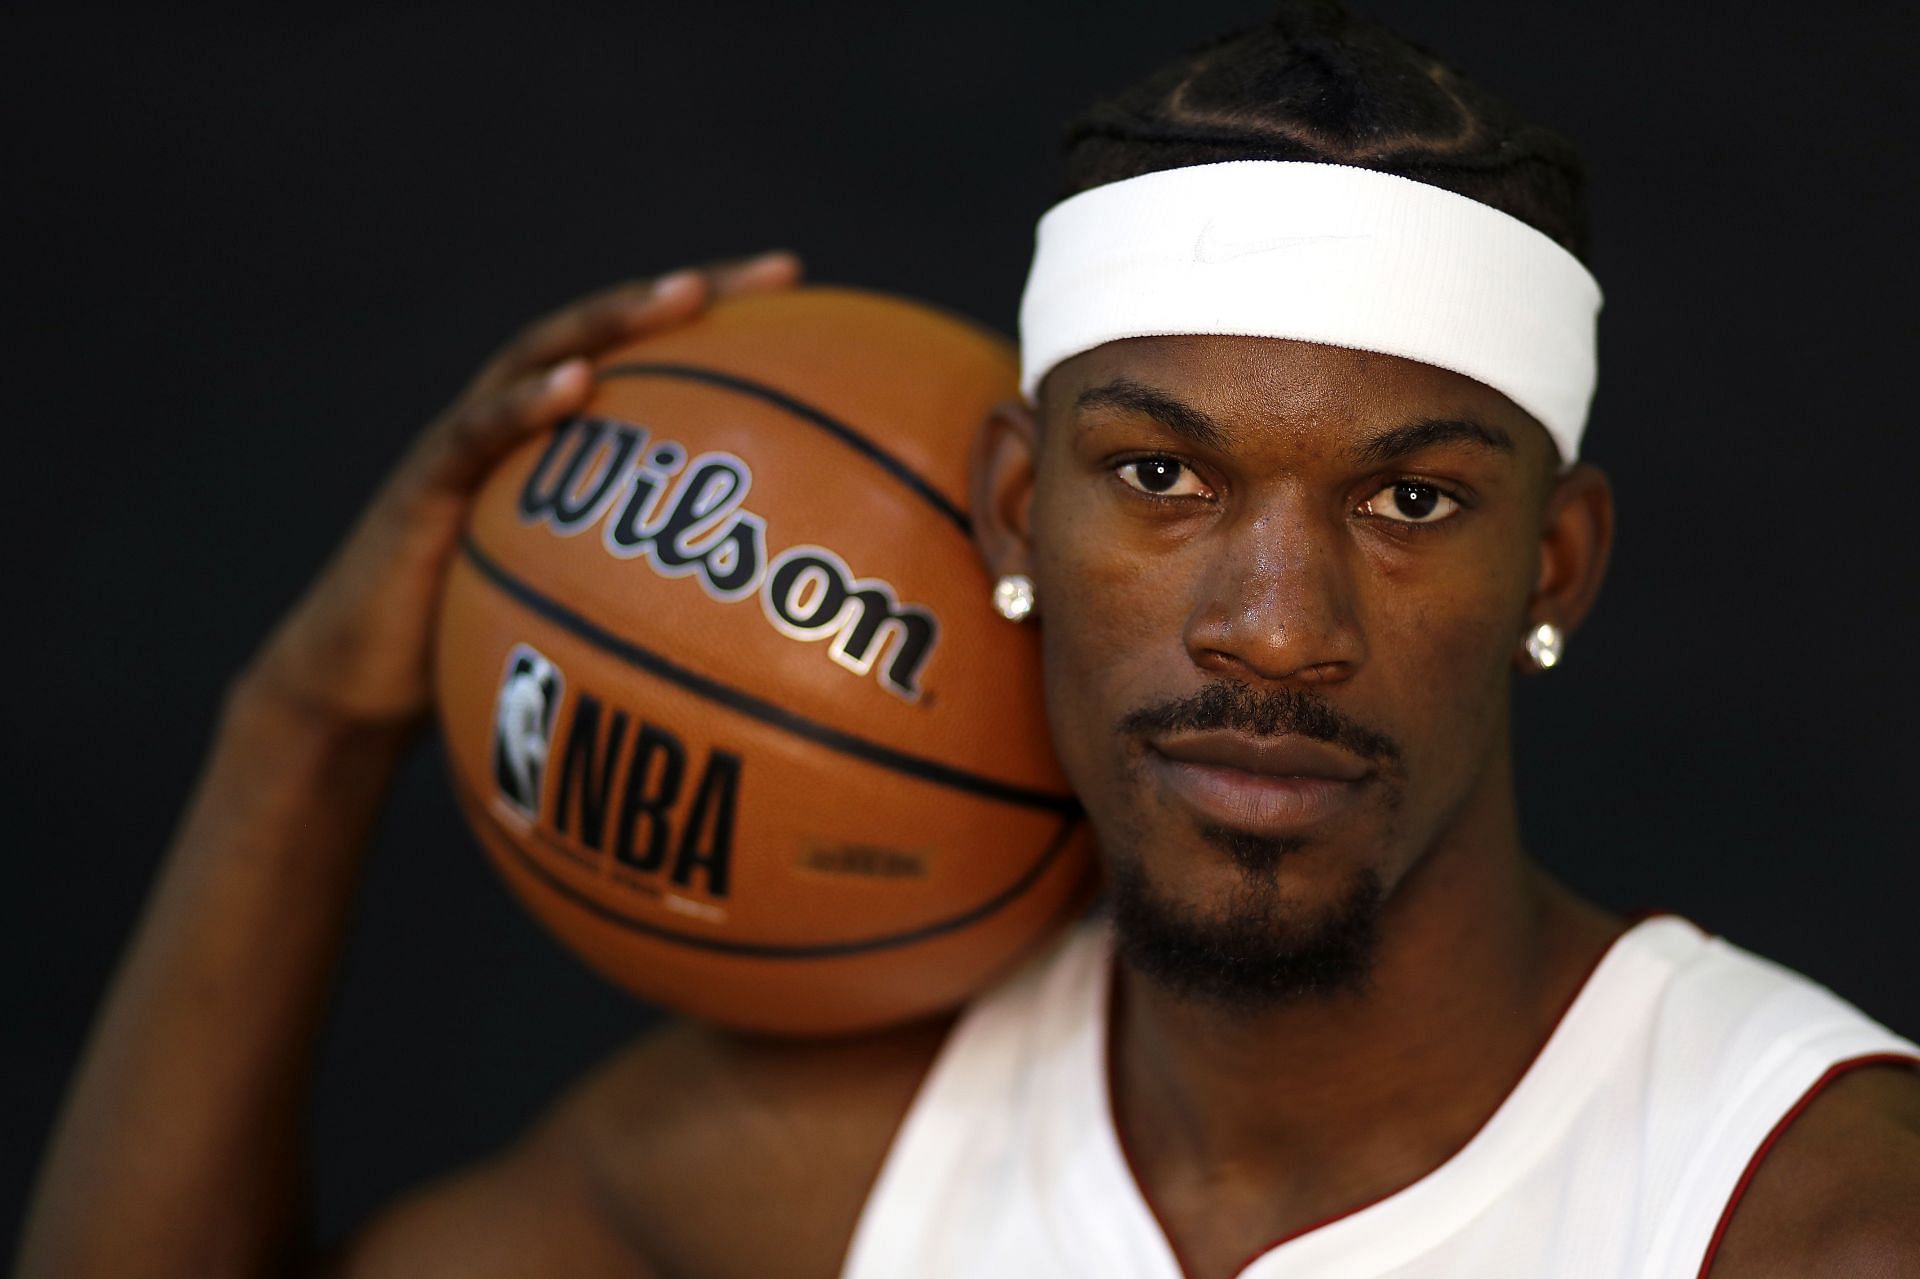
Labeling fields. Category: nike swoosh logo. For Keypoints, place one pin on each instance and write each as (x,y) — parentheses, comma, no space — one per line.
(1210,248)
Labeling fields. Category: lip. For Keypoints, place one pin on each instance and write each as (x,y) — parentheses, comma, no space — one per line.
(1268,784)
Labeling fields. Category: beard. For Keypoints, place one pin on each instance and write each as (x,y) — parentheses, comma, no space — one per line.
(1258,952)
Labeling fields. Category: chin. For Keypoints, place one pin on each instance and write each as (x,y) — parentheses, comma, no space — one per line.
(1258,921)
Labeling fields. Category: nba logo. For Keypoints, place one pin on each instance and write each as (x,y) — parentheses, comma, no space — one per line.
(523,726)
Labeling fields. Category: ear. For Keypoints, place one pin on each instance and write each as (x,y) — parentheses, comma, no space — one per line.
(1576,537)
(1001,489)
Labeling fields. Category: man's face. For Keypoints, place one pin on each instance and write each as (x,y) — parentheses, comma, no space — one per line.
(1281,587)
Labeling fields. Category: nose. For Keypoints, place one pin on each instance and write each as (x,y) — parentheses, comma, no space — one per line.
(1276,601)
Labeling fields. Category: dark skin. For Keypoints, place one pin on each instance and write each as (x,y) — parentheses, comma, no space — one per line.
(1282,556)
(704,1154)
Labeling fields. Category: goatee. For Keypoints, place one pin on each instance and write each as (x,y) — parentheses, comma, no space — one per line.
(1258,954)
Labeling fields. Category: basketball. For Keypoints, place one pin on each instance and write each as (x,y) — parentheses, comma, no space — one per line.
(723,694)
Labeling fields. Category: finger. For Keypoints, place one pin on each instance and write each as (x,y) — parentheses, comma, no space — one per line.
(626,310)
(596,322)
(774,269)
(458,451)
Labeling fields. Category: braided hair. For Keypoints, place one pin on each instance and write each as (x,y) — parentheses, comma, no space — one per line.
(1318,83)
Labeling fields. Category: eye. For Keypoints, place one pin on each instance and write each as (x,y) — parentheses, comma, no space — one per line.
(1161,477)
(1411,502)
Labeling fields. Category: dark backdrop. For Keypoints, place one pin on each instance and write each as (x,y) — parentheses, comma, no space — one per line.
(247,257)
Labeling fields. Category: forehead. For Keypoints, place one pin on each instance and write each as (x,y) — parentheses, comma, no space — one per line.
(1295,389)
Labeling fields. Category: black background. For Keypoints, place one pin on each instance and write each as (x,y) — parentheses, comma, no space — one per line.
(247,257)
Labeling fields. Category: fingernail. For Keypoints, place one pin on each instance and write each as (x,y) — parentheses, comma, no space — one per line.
(564,372)
(677,285)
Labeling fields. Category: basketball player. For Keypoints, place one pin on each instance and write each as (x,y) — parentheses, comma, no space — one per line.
(1297,492)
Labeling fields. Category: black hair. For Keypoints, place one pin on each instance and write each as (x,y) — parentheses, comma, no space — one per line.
(1318,83)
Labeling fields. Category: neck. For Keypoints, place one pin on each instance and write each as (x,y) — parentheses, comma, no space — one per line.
(1327,1103)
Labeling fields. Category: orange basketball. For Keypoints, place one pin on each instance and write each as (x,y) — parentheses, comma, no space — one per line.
(723,693)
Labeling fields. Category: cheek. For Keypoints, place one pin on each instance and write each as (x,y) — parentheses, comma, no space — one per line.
(1443,642)
(1106,618)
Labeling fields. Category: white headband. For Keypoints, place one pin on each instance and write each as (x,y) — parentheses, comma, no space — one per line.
(1323,253)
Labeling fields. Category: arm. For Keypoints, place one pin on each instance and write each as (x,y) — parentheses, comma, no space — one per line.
(179,1145)
(1839,1194)
(692,1152)
(178,1150)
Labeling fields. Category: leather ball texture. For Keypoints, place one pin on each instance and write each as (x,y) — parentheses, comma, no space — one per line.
(724,697)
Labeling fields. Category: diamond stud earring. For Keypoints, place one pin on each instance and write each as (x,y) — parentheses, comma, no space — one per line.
(1013,597)
(1544,645)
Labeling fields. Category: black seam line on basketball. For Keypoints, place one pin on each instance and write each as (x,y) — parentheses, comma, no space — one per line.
(833,426)
(747,704)
(776,950)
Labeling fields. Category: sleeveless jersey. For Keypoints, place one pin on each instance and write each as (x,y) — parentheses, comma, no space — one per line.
(1619,1153)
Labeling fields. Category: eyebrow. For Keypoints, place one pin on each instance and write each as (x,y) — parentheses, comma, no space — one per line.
(1190,423)
(1397,442)
(1181,418)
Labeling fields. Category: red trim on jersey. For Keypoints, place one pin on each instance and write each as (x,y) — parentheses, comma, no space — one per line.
(1834,1071)
(1133,1168)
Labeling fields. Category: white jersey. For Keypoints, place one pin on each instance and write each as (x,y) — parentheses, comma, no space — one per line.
(1619,1153)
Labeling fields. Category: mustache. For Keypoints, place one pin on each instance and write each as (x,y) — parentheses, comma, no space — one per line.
(1225,705)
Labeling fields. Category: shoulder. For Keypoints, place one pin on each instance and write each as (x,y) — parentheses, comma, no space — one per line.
(691,1153)
(718,1154)
(1833,1192)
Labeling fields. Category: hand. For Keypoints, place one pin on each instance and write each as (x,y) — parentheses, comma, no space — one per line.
(355,650)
